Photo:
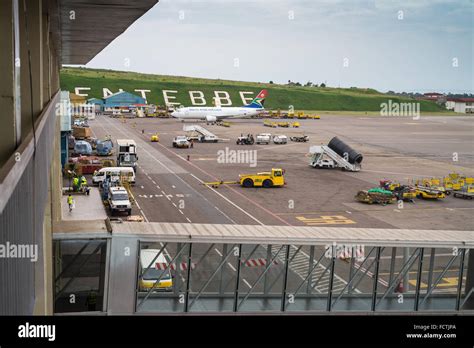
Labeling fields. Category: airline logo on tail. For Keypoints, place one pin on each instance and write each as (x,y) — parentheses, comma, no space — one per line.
(257,103)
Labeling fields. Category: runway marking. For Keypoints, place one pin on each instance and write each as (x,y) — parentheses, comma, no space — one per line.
(173,186)
(218,252)
(174,204)
(158,187)
(228,200)
(180,211)
(247,283)
(449,282)
(252,201)
(370,274)
(231,267)
(166,167)
(138,206)
(326,220)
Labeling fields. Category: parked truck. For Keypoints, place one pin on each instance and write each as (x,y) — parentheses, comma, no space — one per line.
(127,153)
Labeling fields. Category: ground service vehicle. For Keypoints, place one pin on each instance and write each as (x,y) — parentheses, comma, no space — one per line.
(116,174)
(325,163)
(157,273)
(430,192)
(181,141)
(118,200)
(263,138)
(82,147)
(375,195)
(155,138)
(264,179)
(280,139)
(402,192)
(127,153)
(300,138)
(245,140)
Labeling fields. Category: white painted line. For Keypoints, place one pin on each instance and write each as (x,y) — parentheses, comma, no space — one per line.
(228,200)
(174,204)
(181,211)
(173,186)
(142,187)
(348,212)
(218,252)
(231,267)
(247,283)
(188,220)
(177,176)
(153,181)
(157,186)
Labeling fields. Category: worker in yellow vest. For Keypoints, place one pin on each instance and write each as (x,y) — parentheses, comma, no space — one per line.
(70,202)
(75,183)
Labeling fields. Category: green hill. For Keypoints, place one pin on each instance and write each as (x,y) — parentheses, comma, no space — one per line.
(280,96)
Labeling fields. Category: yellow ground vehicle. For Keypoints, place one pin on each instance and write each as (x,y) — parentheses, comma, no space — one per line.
(274,178)
(404,192)
(291,114)
(159,272)
(283,124)
(264,179)
(155,138)
(302,116)
(295,124)
(268,123)
(430,192)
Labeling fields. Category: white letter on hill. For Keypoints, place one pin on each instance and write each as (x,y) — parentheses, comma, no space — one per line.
(200,96)
(78,90)
(218,98)
(246,101)
(167,97)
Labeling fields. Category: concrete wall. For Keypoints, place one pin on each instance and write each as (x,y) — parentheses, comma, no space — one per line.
(29,178)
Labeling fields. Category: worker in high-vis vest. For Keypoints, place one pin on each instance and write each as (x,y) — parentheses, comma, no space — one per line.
(70,202)
(75,183)
(83,182)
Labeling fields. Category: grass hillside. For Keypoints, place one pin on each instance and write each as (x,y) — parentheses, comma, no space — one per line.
(280,96)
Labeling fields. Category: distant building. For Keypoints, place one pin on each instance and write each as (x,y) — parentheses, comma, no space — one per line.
(432,96)
(122,100)
(461,105)
(98,104)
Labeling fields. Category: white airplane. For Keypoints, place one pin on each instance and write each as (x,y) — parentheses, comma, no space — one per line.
(212,114)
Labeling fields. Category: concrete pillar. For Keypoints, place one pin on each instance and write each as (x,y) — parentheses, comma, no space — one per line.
(469,281)
(7,130)
(31,101)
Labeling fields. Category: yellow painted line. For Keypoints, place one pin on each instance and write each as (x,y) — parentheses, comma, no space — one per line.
(326,220)
(448,282)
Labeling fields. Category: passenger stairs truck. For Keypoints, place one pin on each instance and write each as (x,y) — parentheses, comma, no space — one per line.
(201,134)
(338,152)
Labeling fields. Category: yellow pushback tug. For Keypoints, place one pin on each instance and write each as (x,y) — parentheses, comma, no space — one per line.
(274,178)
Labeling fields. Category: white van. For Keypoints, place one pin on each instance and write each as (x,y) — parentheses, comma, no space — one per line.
(156,273)
(115,173)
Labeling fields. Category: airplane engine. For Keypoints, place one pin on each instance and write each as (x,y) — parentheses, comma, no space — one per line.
(211,119)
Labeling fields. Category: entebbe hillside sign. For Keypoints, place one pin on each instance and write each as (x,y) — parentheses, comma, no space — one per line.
(196,98)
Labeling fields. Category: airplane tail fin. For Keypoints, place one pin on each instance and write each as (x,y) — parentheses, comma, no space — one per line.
(259,100)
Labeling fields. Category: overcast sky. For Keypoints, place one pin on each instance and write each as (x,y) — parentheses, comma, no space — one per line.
(404,45)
